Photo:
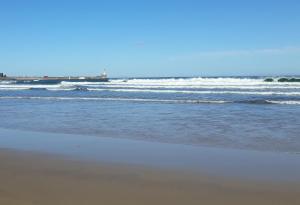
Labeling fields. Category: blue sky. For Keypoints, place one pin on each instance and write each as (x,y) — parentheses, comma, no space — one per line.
(150,38)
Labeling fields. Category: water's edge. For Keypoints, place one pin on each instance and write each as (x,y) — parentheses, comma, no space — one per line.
(252,165)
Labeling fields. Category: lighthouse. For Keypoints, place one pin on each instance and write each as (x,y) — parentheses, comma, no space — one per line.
(103,75)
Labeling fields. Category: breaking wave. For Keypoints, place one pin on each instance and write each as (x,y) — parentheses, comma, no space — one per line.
(163,90)
(197,92)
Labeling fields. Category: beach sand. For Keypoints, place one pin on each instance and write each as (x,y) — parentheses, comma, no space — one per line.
(32,178)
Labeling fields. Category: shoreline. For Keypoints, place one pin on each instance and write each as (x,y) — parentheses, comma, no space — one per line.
(216,162)
(35,178)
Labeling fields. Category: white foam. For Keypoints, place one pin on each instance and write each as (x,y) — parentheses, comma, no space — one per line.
(5,82)
(199,81)
(117,99)
(24,87)
(285,102)
(198,92)
(246,87)
(65,83)
(27,87)
(186,82)
(170,83)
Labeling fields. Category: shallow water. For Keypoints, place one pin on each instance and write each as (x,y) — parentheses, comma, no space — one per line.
(244,113)
(213,162)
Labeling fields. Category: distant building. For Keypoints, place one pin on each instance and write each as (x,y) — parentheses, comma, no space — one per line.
(1,75)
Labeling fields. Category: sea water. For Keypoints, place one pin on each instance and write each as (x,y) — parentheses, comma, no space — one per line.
(228,112)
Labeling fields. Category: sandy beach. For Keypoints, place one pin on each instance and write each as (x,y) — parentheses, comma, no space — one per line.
(32,178)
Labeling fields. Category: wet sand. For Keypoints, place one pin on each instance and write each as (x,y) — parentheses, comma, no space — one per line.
(35,178)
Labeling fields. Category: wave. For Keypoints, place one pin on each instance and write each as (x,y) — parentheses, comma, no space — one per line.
(186,82)
(117,99)
(157,87)
(200,86)
(285,102)
(198,92)
(166,83)
(81,88)
(36,87)
(247,87)
(7,82)
(199,81)
(179,81)
(183,101)
(262,102)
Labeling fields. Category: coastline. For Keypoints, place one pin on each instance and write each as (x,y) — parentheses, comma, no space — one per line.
(280,167)
(45,168)
(35,178)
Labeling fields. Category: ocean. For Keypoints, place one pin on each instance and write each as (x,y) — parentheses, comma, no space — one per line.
(228,112)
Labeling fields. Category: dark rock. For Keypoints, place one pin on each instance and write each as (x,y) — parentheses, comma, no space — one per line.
(290,80)
(269,80)
(81,89)
(283,80)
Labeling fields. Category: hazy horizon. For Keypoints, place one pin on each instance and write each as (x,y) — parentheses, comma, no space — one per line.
(162,76)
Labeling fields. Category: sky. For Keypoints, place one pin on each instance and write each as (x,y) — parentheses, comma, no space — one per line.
(139,38)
